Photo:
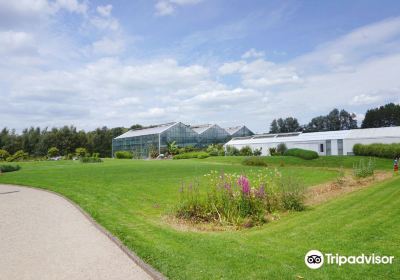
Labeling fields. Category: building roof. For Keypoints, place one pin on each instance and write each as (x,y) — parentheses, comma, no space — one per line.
(318,136)
(201,127)
(147,131)
(233,130)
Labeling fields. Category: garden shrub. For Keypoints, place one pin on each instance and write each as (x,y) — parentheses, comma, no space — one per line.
(90,159)
(304,154)
(272,151)
(281,149)
(96,155)
(231,151)
(81,152)
(254,161)
(257,152)
(246,151)
(3,155)
(123,155)
(362,169)
(9,168)
(53,152)
(200,155)
(18,156)
(215,150)
(377,150)
(239,200)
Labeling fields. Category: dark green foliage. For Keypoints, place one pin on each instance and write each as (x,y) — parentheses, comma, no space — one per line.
(378,150)
(273,152)
(304,154)
(9,168)
(246,151)
(284,125)
(388,115)
(90,159)
(257,152)
(215,150)
(281,149)
(335,120)
(36,142)
(199,154)
(124,155)
(254,161)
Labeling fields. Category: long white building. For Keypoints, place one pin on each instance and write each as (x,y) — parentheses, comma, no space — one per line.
(324,143)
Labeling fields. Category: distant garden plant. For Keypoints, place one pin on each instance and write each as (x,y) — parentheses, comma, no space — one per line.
(18,156)
(231,151)
(377,150)
(199,154)
(281,148)
(364,169)
(4,155)
(53,152)
(241,200)
(246,151)
(123,155)
(81,152)
(91,159)
(9,168)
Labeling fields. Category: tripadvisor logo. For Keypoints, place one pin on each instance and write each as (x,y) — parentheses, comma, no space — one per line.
(314,259)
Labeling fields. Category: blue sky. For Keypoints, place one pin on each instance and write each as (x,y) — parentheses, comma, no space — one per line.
(116,63)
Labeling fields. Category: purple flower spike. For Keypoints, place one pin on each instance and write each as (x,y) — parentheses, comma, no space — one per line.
(243,182)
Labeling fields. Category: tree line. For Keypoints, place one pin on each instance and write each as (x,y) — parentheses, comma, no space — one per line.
(383,116)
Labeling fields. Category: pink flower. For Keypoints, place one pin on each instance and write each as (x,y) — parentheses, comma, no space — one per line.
(243,182)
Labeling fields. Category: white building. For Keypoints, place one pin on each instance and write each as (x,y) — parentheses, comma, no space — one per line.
(324,143)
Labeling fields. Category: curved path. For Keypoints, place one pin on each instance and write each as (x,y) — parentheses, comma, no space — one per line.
(43,236)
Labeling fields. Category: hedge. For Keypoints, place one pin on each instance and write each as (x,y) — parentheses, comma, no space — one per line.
(304,154)
(192,155)
(123,155)
(377,150)
(9,168)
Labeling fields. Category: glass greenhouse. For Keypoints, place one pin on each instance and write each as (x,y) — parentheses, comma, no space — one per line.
(142,141)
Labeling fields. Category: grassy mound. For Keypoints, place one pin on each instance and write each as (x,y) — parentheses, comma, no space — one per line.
(304,154)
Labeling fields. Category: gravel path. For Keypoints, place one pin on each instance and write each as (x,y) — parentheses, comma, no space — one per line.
(43,236)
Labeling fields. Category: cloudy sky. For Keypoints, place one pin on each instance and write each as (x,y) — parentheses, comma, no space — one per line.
(116,63)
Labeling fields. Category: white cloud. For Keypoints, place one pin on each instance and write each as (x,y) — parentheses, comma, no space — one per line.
(108,46)
(71,6)
(363,99)
(253,53)
(104,11)
(16,42)
(167,7)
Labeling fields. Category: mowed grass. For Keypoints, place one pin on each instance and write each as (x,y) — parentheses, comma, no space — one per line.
(130,198)
(325,161)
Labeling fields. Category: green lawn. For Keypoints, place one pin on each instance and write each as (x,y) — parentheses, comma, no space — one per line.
(129,198)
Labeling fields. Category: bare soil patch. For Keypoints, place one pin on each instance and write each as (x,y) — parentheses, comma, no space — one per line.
(324,192)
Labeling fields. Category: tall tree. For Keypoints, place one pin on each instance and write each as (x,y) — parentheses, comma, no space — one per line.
(387,115)
(335,120)
(286,125)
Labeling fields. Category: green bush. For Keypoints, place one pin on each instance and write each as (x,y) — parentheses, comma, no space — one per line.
(18,156)
(81,152)
(200,155)
(215,150)
(123,155)
(254,161)
(96,155)
(246,151)
(239,200)
(281,149)
(3,155)
(377,150)
(90,159)
(53,152)
(231,151)
(257,152)
(9,168)
(272,151)
(362,169)
(304,154)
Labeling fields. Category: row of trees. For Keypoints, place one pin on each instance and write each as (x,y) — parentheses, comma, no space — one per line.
(387,115)
(37,142)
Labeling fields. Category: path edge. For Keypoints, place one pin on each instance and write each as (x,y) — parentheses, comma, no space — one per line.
(153,273)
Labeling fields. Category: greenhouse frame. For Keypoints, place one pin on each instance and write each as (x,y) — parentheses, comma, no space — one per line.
(211,134)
